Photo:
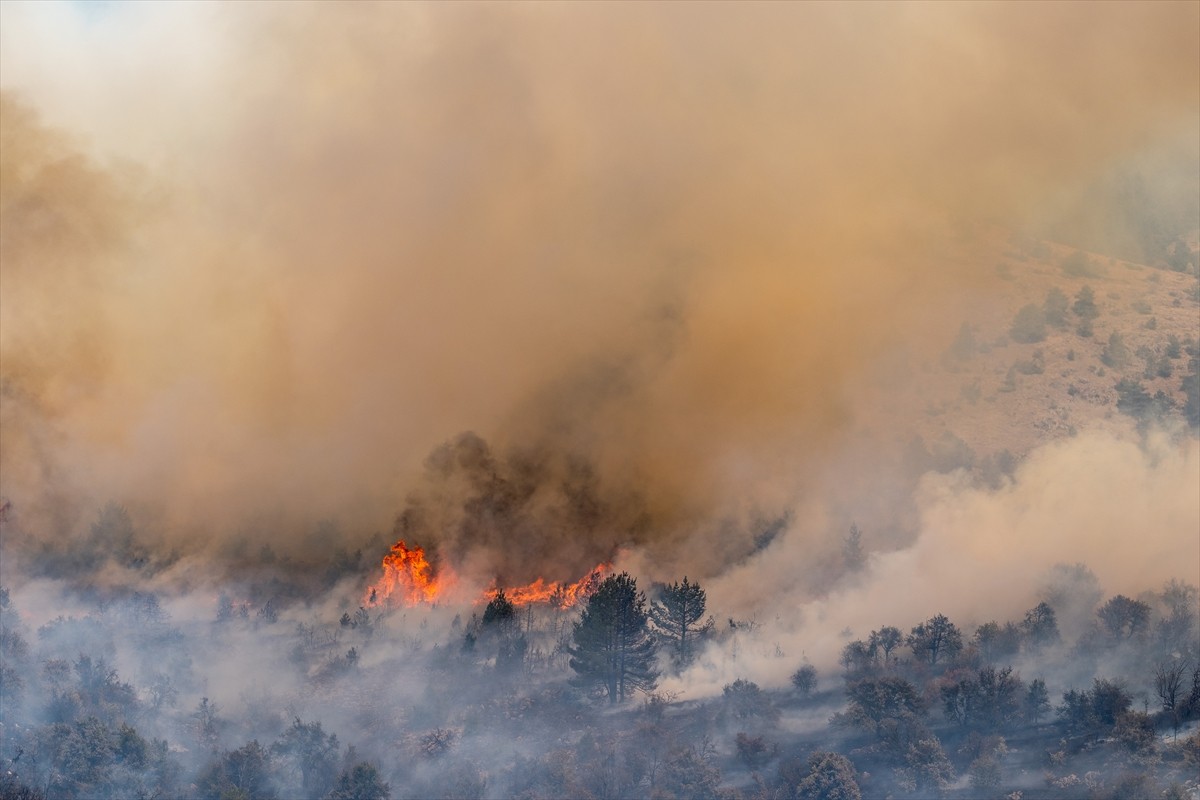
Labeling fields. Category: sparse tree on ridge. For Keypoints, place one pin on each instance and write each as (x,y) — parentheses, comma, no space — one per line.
(612,642)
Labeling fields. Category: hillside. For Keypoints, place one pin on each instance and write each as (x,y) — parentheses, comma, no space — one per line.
(997,393)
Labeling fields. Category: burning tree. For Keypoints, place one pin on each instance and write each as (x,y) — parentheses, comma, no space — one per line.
(613,646)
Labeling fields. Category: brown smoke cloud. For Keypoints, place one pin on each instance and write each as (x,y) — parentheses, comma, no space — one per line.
(261,260)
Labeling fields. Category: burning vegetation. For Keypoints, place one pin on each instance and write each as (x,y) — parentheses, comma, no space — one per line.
(410,579)
(558,595)
(639,320)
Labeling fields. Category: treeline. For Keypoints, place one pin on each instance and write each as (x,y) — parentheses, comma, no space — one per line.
(939,704)
(1075,698)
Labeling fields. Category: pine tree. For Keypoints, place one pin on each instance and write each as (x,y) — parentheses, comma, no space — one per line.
(500,612)
(612,642)
(675,613)
(1037,701)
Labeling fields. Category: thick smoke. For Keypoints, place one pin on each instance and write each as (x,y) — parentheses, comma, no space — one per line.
(260,261)
(981,555)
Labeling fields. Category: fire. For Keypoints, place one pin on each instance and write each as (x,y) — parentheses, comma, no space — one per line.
(408,575)
(409,578)
(562,595)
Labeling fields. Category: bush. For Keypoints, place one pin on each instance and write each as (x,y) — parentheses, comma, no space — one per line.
(745,700)
(1135,731)
(1034,366)
(753,750)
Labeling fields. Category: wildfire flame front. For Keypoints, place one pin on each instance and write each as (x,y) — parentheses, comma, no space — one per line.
(561,595)
(410,579)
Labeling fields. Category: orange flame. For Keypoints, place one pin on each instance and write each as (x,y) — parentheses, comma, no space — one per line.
(410,579)
(408,575)
(562,595)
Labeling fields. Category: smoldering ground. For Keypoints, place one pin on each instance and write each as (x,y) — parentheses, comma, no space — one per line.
(259,262)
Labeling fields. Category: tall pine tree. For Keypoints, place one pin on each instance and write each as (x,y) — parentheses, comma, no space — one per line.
(676,612)
(612,642)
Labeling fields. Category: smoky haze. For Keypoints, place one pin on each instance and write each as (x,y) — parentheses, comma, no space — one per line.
(862,339)
(260,262)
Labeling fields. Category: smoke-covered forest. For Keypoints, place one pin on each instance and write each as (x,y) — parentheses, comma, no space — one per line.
(1082,695)
(692,400)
